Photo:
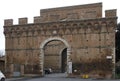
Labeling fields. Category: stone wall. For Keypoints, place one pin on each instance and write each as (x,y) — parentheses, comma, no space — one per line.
(52,57)
(72,12)
(91,40)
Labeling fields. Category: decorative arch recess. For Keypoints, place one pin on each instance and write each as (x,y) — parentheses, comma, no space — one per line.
(42,52)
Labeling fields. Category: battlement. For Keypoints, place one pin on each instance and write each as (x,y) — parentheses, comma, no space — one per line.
(23,21)
(80,12)
(37,19)
(111,13)
(8,22)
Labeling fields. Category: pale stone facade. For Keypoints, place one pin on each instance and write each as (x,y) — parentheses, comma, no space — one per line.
(76,34)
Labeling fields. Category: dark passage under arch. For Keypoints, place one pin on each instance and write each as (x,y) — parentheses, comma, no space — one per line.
(64,60)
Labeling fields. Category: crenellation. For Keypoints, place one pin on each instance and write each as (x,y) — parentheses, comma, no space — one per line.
(8,22)
(37,19)
(79,32)
(22,21)
(111,13)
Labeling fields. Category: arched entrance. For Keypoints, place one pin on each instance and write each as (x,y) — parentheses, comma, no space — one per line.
(43,44)
(64,60)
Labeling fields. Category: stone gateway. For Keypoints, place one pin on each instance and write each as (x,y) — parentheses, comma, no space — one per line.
(74,39)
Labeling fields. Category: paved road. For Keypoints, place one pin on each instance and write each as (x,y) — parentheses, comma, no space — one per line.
(55,77)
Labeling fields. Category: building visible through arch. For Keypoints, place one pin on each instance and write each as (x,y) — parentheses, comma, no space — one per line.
(64,60)
(54,53)
(80,32)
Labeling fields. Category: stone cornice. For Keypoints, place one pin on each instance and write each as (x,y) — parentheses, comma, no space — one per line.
(66,21)
(62,27)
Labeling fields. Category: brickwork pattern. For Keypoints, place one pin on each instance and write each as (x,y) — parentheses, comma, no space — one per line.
(91,37)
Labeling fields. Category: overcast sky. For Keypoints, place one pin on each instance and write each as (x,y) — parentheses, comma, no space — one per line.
(14,9)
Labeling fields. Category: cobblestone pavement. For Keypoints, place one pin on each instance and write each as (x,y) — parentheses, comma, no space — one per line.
(55,77)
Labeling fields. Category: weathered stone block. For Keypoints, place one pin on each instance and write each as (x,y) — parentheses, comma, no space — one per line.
(8,22)
(22,21)
(110,13)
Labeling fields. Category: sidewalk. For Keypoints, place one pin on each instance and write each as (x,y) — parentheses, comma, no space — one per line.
(22,78)
(19,79)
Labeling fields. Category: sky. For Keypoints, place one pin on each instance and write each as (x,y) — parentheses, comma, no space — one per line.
(14,9)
